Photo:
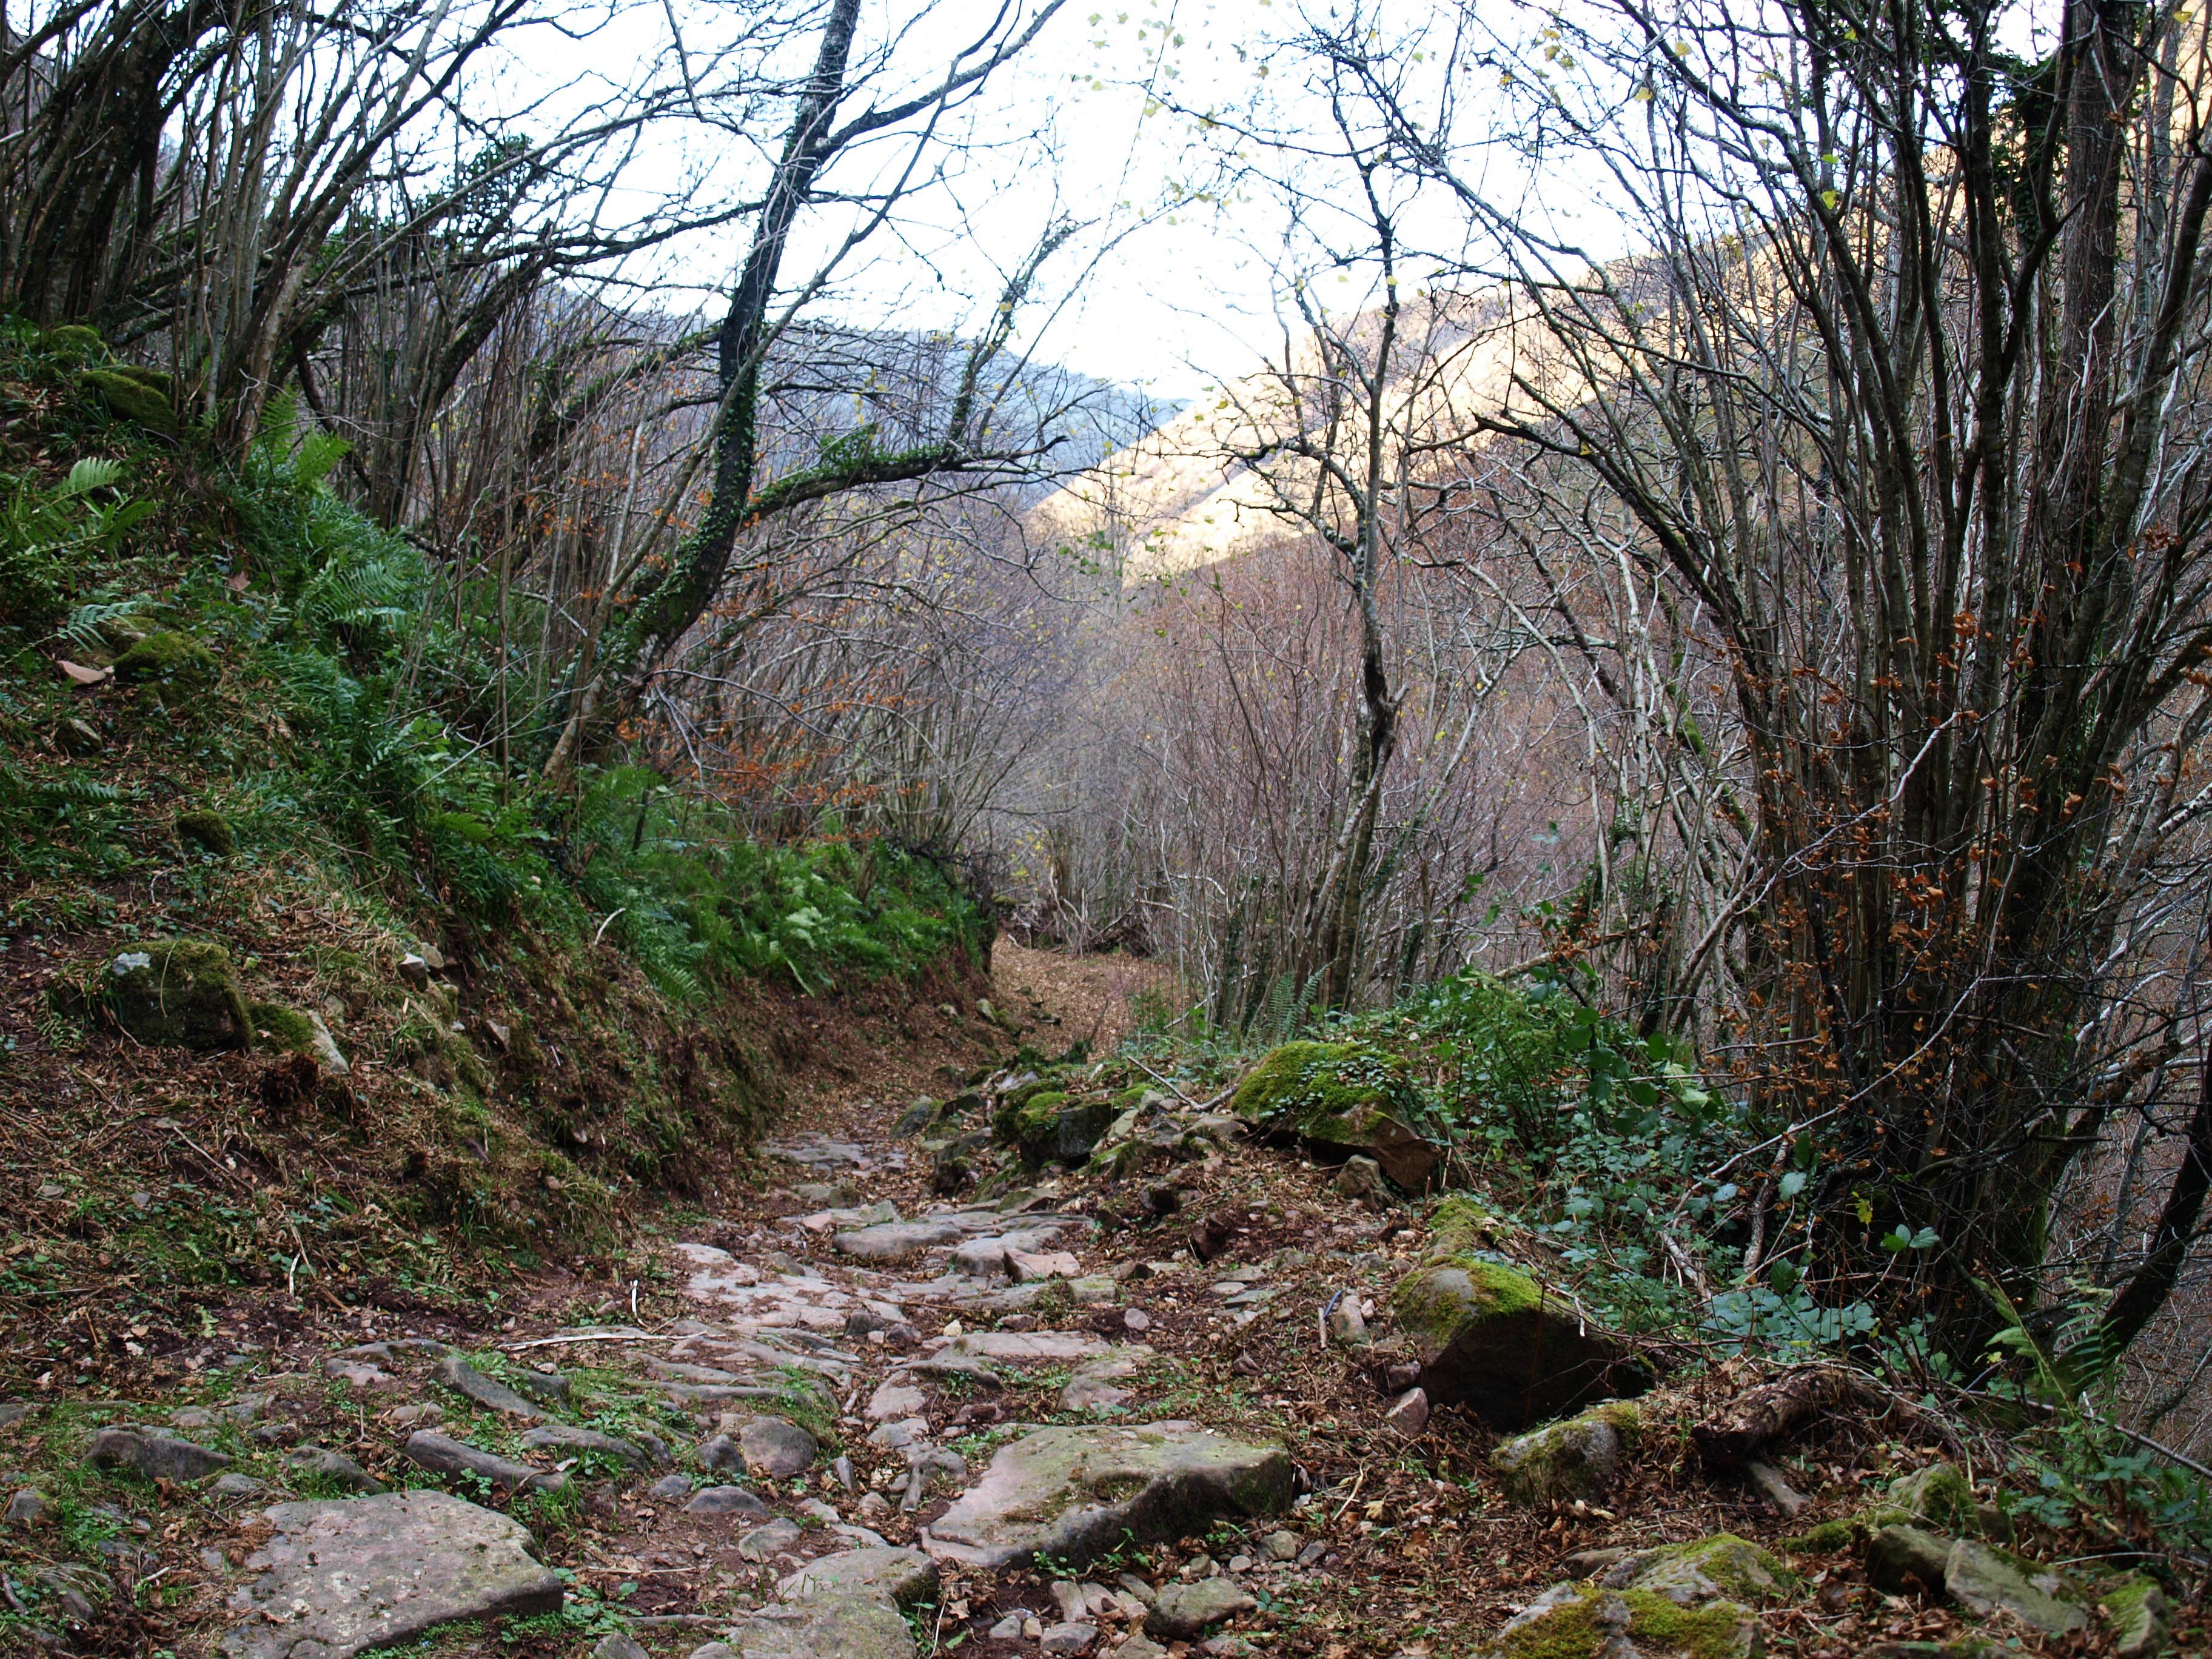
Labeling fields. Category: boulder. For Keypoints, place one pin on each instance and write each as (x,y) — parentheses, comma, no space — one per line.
(1183,1611)
(178,992)
(1343,1099)
(157,1456)
(1577,1458)
(339,1577)
(1095,1384)
(207,830)
(1983,1581)
(1902,1559)
(848,1624)
(164,654)
(1720,1567)
(332,1468)
(902,1576)
(1362,1181)
(727,1500)
(895,1241)
(2137,1611)
(1937,1492)
(1589,1621)
(1049,1128)
(135,395)
(296,1031)
(775,1449)
(1073,1491)
(773,1539)
(1490,1337)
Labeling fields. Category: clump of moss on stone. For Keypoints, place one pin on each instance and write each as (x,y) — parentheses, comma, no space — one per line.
(180,992)
(1824,1540)
(1435,1304)
(1738,1568)
(284,1029)
(1576,1457)
(1459,1226)
(1591,1624)
(1308,1084)
(207,830)
(1938,1494)
(164,654)
(135,395)
(76,340)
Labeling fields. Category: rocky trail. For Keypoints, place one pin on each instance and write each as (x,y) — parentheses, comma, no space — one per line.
(1165,1389)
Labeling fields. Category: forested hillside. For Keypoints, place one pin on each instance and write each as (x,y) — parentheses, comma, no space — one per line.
(831,829)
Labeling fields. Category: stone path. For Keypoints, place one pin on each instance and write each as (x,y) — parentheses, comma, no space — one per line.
(919,1340)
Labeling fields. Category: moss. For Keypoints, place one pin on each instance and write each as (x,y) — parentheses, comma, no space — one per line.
(286,1030)
(1737,1567)
(1314,1082)
(181,992)
(1458,1226)
(1435,1304)
(76,340)
(1711,1632)
(1590,1624)
(1037,1113)
(210,831)
(1574,1458)
(1938,1494)
(161,654)
(129,396)
(1824,1540)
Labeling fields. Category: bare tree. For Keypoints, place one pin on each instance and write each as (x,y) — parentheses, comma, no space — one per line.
(1905,396)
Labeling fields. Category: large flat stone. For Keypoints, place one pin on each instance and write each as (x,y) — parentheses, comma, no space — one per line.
(895,1241)
(905,1575)
(1984,1580)
(157,1456)
(1072,1491)
(848,1624)
(371,1572)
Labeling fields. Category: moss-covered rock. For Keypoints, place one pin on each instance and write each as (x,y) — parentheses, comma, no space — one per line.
(179,991)
(164,654)
(1692,1574)
(1985,1580)
(1343,1098)
(207,830)
(1577,1458)
(76,340)
(1937,1493)
(1902,1558)
(1490,1337)
(2137,1611)
(1052,1127)
(136,396)
(1588,1621)
(290,1031)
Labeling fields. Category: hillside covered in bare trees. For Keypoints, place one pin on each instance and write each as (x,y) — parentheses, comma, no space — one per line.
(837,827)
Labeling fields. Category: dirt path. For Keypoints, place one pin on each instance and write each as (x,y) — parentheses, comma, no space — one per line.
(840,1359)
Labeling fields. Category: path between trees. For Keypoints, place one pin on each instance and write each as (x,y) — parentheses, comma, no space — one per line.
(853,1419)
